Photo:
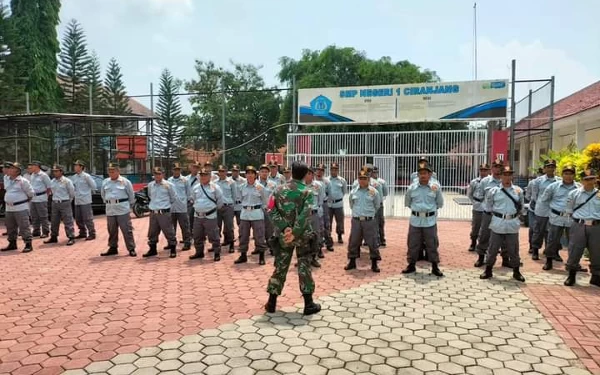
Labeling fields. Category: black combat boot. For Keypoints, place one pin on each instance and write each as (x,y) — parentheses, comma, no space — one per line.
(487,274)
(186,246)
(548,265)
(411,268)
(473,244)
(595,280)
(173,253)
(557,257)
(535,255)
(242,259)
(315,263)
(261,258)
(374,266)
(570,281)
(435,270)
(309,306)
(71,241)
(132,253)
(351,264)
(217,257)
(517,275)
(81,236)
(271,304)
(480,260)
(12,245)
(199,254)
(152,252)
(110,251)
(340,239)
(231,250)
(28,248)
(383,243)
(52,239)
(320,254)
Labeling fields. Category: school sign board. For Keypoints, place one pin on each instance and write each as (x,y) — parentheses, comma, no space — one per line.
(422,102)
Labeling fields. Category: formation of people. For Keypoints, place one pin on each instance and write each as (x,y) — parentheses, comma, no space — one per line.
(562,213)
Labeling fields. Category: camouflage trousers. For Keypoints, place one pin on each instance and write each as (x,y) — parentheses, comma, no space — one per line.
(283,258)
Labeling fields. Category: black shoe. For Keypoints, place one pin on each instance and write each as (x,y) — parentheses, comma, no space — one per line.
(435,270)
(309,306)
(506,263)
(44,235)
(535,255)
(173,253)
(166,247)
(473,246)
(340,240)
(231,250)
(132,253)
(364,243)
(581,269)
(81,236)
(271,305)
(558,258)
(548,265)
(261,259)
(315,263)
(12,245)
(217,258)
(570,281)
(242,259)
(28,248)
(152,252)
(52,239)
(517,275)
(329,248)
(487,274)
(71,242)
(320,254)
(480,260)
(90,238)
(351,264)
(186,247)
(374,266)
(530,250)
(411,268)
(382,244)
(595,280)
(110,251)
(198,255)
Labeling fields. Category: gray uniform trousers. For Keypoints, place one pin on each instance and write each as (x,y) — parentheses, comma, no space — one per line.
(363,230)
(84,217)
(238,215)
(204,228)
(258,229)
(183,219)
(17,223)
(191,214)
(584,236)
(476,224)
(540,232)
(122,222)
(225,222)
(555,233)
(326,226)
(317,228)
(509,242)
(39,217)
(268,227)
(417,236)
(484,236)
(381,224)
(61,210)
(338,214)
(161,222)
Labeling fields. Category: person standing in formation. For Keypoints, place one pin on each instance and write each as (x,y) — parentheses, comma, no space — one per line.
(161,194)
(193,179)
(316,224)
(364,203)
(477,195)
(229,189)
(339,189)
(254,198)
(424,198)
(117,193)
(287,174)
(326,233)
(583,204)
(268,187)
(84,215)
(40,182)
(239,181)
(63,193)
(179,212)
(18,193)
(380,213)
(542,209)
(531,207)
(208,199)
(274,175)
(291,213)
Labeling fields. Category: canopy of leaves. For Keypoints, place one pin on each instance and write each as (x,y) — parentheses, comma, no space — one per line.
(169,127)
(115,97)
(73,68)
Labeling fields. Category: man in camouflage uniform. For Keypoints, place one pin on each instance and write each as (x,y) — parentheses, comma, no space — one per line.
(290,211)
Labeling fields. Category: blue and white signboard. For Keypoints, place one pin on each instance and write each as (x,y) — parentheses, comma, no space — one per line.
(422,102)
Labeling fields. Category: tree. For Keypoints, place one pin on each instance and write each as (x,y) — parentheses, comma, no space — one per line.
(93,84)
(73,68)
(115,97)
(33,61)
(12,97)
(169,127)
(251,109)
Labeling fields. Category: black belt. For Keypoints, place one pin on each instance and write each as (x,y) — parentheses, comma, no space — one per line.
(61,201)
(204,214)
(338,200)
(477,199)
(505,216)
(423,214)
(362,218)
(487,212)
(590,222)
(556,212)
(38,194)
(116,201)
(227,204)
(16,203)
(252,207)
(238,202)
(160,212)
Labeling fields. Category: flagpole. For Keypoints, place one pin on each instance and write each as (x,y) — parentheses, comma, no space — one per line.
(475,39)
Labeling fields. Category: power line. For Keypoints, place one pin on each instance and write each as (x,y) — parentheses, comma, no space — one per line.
(214,92)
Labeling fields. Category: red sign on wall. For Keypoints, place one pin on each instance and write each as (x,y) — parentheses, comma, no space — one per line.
(278,157)
(132,147)
(500,145)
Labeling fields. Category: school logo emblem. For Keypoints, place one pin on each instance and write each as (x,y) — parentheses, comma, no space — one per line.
(321,105)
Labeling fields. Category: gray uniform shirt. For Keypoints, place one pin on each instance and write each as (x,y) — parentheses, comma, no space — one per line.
(84,185)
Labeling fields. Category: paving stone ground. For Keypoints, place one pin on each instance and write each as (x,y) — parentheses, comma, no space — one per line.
(66,308)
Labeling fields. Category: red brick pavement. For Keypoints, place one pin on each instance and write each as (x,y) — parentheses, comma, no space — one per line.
(63,307)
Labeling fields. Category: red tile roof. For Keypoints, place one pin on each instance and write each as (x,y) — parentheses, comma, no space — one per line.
(580,101)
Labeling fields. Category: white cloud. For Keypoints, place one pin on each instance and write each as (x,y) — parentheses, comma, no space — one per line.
(173,8)
(534,61)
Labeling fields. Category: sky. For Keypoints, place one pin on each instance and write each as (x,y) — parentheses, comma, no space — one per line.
(546,37)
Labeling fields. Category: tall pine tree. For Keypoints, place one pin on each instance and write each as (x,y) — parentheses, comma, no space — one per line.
(93,84)
(73,67)
(34,62)
(12,97)
(169,127)
(114,95)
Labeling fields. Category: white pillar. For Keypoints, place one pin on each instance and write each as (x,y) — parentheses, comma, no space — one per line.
(523,151)
(535,150)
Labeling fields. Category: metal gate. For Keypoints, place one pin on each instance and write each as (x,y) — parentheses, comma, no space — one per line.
(454,154)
